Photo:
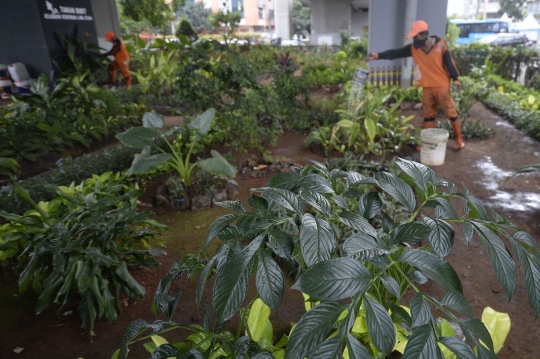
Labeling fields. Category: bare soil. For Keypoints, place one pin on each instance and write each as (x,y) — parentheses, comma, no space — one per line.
(481,166)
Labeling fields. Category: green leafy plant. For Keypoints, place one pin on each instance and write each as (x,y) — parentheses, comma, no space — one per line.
(80,244)
(159,75)
(470,129)
(369,270)
(145,137)
(369,126)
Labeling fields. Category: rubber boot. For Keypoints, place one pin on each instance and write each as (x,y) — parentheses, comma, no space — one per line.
(457,132)
(427,124)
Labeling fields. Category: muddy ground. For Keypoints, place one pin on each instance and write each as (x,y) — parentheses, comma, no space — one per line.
(481,166)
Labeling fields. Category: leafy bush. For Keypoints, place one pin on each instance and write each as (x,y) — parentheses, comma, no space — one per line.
(71,114)
(68,170)
(470,129)
(146,137)
(360,280)
(82,242)
(368,126)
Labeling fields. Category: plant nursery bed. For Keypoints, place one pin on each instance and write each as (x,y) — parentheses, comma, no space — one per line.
(482,167)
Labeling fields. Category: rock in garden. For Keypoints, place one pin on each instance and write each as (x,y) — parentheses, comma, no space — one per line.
(274,168)
(199,203)
(418,106)
(163,200)
(406,106)
(220,196)
(233,190)
(161,190)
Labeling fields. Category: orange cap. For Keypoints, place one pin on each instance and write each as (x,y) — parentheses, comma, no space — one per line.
(109,36)
(416,28)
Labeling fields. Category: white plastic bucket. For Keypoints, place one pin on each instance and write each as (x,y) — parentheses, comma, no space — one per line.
(18,72)
(24,87)
(433,146)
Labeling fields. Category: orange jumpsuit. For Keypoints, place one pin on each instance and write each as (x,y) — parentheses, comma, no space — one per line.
(121,62)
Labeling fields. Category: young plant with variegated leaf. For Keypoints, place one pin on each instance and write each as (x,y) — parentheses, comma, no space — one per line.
(152,156)
(367,274)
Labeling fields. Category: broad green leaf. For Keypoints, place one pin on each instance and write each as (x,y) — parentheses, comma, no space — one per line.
(312,328)
(458,347)
(138,137)
(391,285)
(355,178)
(364,247)
(357,222)
(144,161)
(446,329)
(475,328)
(232,281)
(441,237)
(387,224)
(203,122)
(316,183)
(203,278)
(498,325)
(409,233)
(402,314)
(356,350)
(152,120)
(334,279)
(380,325)
(335,173)
(165,351)
(281,243)
(270,281)
(285,180)
(422,344)
(532,280)
(478,211)
(526,239)
(447,210)
(259,204)
(370,128)
(282,197)
(457,301)
(9,163)
(370,205)
(500,258)
(331,348)
(317,201)
(217,165)
(420,311)
(257,319)
(319,166)
(317,241)
(421,174)
(468,231)
(396,188)
(237,206)
(218,225)
(433,267)
(340,201)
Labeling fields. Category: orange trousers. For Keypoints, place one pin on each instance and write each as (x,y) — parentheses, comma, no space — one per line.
(124,69)
(433,97)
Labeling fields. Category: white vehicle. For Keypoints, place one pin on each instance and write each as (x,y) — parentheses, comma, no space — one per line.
(292,43)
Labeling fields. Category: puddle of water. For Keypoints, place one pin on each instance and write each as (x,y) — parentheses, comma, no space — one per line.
(493,179)
(504,124)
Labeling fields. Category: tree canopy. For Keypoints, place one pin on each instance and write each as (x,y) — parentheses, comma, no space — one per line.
(198,15)
(156,13)
(514,8)
(301,17)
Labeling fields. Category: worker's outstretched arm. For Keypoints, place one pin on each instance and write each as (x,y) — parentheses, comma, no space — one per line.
(390,54)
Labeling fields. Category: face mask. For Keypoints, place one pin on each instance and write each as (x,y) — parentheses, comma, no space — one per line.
(419,43)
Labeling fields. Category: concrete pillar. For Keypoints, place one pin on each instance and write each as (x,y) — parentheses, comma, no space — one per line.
(105,19)
(328,20)
(283,19)
(406,66)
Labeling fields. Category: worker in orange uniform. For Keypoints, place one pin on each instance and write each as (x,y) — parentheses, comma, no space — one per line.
(121,59)
(434,68)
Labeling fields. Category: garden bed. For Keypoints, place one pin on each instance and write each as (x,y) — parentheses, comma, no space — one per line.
(481,166)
